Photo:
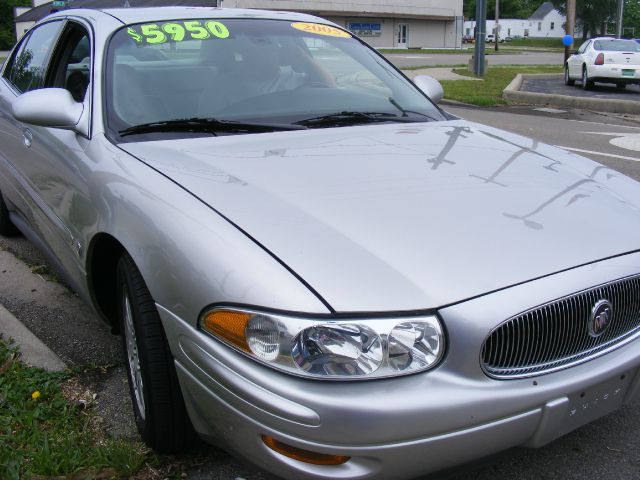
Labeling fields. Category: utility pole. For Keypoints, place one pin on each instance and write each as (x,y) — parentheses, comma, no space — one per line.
(497,26)
(481,37)
(570,26)
(620,13)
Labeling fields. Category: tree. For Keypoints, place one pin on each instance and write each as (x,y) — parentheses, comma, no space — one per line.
(632,16)
(508,8)
(7,21)
(592,15)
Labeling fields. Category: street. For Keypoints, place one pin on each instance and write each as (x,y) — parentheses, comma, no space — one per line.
(404,60)
(608,448)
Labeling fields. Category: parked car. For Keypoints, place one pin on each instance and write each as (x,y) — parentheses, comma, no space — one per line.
(309,262)
(491,38)
(604,60)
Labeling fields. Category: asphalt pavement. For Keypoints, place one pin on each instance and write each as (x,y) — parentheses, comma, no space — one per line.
(600,90)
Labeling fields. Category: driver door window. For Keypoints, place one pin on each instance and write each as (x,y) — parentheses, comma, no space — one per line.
(71,65)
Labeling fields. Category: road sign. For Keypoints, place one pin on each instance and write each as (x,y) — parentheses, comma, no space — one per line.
(59,3)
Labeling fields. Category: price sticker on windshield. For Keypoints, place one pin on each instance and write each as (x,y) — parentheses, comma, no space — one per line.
(320,29)
(157,33)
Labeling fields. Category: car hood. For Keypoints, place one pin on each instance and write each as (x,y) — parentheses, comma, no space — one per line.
(399,217)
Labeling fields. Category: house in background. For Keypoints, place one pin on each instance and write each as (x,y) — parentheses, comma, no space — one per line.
(545,22)
(23,25)
(381,23)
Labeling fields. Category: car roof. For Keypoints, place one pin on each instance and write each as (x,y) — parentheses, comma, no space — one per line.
(152,14)
(611,38)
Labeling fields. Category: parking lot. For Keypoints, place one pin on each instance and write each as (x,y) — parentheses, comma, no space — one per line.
(600,90)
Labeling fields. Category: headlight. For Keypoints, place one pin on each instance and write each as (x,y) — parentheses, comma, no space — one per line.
(336,349)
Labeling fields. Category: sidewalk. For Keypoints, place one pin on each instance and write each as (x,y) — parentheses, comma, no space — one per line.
(33,351)
(438,73)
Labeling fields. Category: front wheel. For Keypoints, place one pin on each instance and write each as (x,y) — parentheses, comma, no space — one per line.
(567,78)
(158,406)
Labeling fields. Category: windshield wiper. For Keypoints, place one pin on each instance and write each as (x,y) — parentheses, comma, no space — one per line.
(354,118)
(405,113)
(211,125)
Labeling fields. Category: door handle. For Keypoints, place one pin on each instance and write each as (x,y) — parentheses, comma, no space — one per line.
(27,138)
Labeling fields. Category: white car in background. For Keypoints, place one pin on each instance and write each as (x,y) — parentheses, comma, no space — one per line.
(605,60)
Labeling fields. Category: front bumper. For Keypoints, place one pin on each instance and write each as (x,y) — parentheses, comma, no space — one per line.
(407,426)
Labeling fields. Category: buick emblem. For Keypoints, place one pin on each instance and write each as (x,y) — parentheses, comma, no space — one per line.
(600,318)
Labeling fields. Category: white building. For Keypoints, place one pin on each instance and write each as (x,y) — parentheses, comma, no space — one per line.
(382,23)
(545,22)
(23,26)
(507,27)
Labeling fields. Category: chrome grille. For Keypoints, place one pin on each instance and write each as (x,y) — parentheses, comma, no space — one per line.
(556,335)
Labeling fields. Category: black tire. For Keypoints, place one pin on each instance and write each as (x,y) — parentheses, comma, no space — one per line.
(621,85)
(7,228)
(567,79)
(586,83)
(159,411)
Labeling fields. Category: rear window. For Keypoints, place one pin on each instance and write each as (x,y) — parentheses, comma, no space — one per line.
(617,45)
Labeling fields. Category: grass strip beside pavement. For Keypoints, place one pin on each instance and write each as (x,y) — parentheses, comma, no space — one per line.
(46,432)
(537,42)
(488,91)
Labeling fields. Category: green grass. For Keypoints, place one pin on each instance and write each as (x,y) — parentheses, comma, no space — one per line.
(488,91)
(537,42)
(46,434)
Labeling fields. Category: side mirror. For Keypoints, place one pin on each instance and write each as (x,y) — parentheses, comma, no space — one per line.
(430,86)
(48,107)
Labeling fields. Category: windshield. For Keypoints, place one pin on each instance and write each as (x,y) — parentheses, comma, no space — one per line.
(617,46)
(249,71)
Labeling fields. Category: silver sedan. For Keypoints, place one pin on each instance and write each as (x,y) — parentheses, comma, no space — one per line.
(308,261)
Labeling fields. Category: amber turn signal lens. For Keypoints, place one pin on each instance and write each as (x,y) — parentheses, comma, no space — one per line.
(228,325)
(303,455)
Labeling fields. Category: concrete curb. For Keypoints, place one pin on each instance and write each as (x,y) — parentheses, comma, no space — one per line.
(33,351)
(512,94)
